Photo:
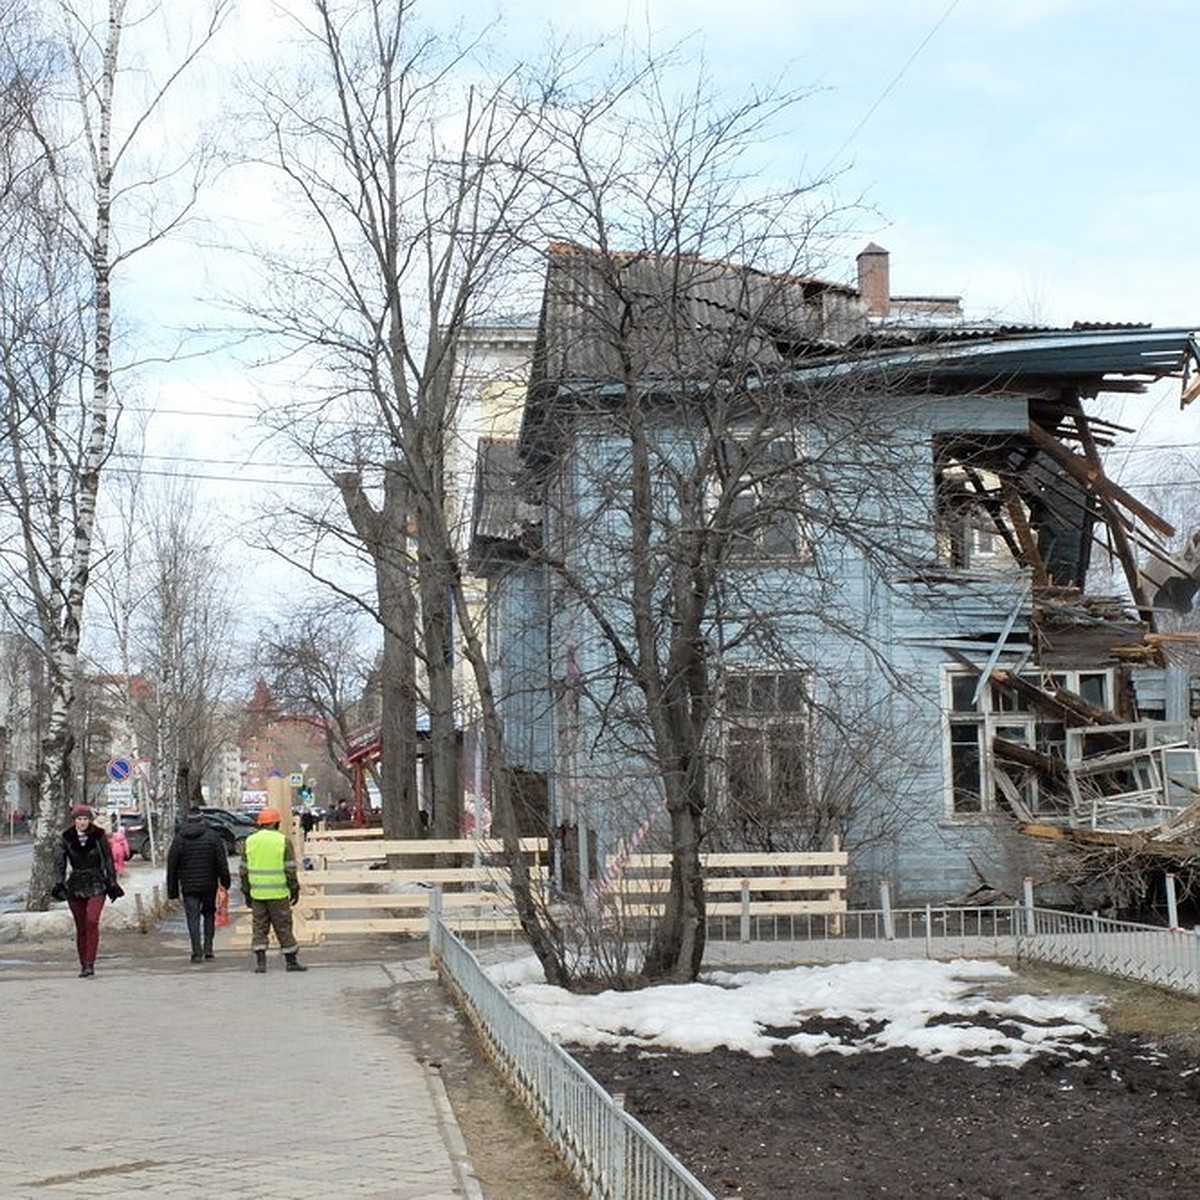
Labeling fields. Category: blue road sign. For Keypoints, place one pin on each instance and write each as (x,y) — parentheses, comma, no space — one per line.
(119,769)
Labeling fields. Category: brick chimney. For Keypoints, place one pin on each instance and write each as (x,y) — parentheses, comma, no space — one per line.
(874,281)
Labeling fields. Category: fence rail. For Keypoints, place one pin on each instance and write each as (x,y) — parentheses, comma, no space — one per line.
(610,1153)
(349,889)
(348,886)
(1167,958)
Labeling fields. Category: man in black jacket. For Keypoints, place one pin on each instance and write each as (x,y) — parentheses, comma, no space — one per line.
(196,865)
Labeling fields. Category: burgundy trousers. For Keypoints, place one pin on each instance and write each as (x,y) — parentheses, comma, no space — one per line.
(86,911)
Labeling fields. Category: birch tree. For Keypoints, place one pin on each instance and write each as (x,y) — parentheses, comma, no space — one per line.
(79,211)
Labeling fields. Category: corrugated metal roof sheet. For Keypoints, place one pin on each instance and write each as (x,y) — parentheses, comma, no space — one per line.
(1079,354)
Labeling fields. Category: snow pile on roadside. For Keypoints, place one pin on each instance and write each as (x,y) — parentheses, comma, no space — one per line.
(934,1009)
(141,880)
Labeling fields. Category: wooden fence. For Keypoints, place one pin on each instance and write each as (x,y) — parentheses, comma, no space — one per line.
(347,886)
(746,885)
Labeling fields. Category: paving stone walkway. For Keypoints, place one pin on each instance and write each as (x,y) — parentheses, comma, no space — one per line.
(156,1079)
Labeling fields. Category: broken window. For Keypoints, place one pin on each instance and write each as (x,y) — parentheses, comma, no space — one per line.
(969,525)
(767,754)
(984,719)
(1126,776)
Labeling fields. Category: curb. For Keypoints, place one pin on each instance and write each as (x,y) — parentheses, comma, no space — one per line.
(451,1133)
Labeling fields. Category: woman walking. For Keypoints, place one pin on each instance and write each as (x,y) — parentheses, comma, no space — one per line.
(84,876)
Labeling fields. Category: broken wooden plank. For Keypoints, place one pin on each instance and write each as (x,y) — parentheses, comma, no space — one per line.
(1116,839)
(1093,478)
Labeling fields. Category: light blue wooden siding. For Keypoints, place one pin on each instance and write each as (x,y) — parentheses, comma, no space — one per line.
(884,629)
(517,660)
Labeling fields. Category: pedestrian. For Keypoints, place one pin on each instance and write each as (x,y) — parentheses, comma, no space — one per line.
(196,866)
(270,887)
(84,876)
(118,843)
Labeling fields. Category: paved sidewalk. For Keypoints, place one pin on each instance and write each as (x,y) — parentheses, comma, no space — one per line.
(208,1080)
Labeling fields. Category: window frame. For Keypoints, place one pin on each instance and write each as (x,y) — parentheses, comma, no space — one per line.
(764,483)
(1000,711)
(774,708)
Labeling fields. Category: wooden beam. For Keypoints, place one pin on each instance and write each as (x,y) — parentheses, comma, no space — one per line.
(1134,843)
(1093,478)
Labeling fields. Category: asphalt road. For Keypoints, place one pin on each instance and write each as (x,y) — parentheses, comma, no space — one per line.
(15,859)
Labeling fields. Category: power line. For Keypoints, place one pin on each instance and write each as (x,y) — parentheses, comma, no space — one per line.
(888,90)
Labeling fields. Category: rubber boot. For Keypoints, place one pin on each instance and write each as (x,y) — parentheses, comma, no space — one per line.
(260,962)
(292,963)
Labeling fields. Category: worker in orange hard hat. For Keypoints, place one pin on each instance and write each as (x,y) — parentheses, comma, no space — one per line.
(270,886)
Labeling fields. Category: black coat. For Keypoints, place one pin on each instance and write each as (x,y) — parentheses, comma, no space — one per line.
(84,865)
(196,861)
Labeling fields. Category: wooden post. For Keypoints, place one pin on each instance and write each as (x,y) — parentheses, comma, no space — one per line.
(279,797)
(1030,923)
(839,897)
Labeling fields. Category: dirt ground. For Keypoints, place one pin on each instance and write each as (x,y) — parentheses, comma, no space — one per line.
(511,1157)
(1124,1123)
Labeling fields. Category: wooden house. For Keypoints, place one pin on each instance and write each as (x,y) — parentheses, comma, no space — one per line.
(826,553)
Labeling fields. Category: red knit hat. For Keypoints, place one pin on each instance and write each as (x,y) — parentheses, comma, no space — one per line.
(82,810)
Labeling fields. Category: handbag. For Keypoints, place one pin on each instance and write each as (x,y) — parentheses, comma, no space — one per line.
(222,905)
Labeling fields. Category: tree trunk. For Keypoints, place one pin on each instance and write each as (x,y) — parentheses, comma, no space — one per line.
(53,799)
(677,946)
(384,535)
(536,921)
(443,752)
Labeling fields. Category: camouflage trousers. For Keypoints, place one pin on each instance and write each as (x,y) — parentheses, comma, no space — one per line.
(266,915)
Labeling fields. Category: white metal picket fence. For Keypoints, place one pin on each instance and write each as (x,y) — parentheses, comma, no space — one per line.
(610,1153)
(1166,957)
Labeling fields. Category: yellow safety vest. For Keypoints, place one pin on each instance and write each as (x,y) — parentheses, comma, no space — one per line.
(264,853)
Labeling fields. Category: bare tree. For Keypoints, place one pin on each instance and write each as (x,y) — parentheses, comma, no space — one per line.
(185,630)
(659,420)
(419,170)
(48,431)
(422,233)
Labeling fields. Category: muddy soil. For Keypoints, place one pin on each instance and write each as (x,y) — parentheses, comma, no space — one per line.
(1122,1122)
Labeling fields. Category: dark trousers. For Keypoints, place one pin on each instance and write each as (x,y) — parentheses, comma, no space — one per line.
(86,911)
(197,905)
(266,915)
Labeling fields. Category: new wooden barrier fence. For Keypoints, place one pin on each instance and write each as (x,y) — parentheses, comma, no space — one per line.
(348,888)
(745,885)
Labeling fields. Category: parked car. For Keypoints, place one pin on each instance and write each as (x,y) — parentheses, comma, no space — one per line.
(137,833)
(233,826)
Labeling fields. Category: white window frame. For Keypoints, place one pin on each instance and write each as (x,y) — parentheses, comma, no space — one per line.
(1000,711)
